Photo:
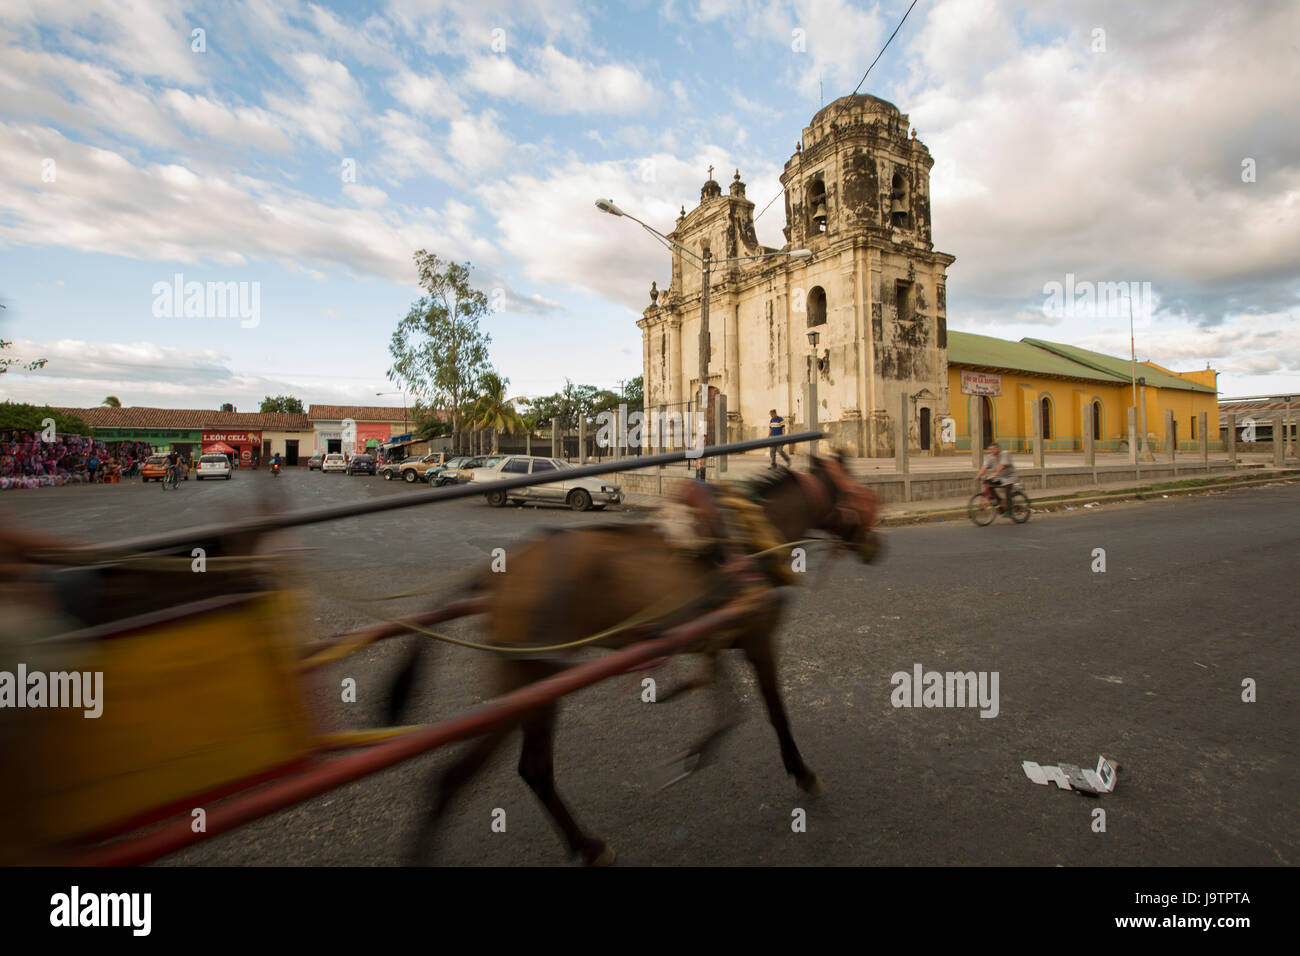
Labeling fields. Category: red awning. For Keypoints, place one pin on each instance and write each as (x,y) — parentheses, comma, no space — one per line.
(219,448)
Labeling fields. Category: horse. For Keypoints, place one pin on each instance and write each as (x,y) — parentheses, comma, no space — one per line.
(544,598)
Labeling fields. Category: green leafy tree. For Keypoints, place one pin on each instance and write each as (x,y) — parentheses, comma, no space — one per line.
(286,404)
(566,405)
(429,422)
(439,353)
(24,417)
(227,407)
(634,394)
(7,363)
(493,410)
(112,402)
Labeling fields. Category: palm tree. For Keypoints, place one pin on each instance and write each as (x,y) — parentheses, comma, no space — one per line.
(112,402)
(493,410)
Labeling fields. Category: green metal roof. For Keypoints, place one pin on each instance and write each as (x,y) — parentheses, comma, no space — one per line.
(984,351)
(1119,367)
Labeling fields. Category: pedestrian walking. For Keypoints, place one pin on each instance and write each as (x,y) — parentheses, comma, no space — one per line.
(776,426)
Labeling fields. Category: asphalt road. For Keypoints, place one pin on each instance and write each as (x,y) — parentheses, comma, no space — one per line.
(1143,663)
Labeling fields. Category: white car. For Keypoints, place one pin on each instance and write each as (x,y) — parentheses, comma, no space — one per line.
(334,462)
(213,466)
(578,493)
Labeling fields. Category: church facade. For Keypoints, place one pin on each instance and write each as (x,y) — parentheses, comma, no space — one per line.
(857,196)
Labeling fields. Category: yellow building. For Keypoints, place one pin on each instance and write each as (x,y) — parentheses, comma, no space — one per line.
(1011,382)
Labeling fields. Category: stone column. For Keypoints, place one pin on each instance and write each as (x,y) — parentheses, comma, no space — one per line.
(555,437)
(1232,438)
(973,417)
(582,439)
(1279,440)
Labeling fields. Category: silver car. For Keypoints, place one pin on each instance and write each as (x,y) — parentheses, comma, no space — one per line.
(578,493)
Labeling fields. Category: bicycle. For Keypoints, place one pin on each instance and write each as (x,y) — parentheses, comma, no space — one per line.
(984,506)
(173,477)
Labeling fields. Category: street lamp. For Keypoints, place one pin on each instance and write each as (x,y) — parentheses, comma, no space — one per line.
(706,262)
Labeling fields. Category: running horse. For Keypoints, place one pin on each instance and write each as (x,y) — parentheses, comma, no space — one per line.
(653,573)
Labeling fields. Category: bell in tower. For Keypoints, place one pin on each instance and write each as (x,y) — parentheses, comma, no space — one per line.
(817,203)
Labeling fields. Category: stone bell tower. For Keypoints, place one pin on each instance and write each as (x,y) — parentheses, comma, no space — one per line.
(871,295)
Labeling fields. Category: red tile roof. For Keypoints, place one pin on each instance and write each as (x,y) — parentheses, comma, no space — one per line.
(358,413)
(188,418)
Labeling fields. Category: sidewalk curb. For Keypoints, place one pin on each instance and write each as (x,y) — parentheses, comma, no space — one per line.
(1051,505)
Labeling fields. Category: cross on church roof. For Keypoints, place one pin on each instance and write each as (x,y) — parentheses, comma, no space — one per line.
(710,172)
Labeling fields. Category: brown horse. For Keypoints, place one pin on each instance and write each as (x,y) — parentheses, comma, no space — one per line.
(575,583)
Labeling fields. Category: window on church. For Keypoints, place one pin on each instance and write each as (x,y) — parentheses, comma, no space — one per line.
(942,329)
(905,301)
(1047,418)
(816,306)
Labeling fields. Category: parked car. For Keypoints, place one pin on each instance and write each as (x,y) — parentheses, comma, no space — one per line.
(461,472)
(361,465)
(213,466)
(578,493)
(413,471)
(393,469)
(334,462)
(445,474)
(316,461)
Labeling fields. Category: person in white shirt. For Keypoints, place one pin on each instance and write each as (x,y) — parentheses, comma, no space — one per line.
(1001,472)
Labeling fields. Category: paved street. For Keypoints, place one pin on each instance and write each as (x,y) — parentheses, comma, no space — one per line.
(1143,663)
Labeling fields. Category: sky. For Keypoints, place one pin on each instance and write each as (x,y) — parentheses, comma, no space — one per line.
(298,154)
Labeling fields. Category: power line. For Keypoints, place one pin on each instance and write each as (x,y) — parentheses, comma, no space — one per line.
(854,93)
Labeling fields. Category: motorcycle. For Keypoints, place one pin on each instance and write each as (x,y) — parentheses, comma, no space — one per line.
(275,469)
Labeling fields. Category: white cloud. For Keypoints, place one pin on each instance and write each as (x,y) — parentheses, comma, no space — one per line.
(559,83)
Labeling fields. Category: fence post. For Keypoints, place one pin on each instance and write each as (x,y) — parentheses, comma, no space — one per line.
(582,439)
(528,443)
(720,428)
(901,464)
(1279,441)
(1040,459)
(1132,441)
(1089,443)
(1232,439)
(555,437)
(810,402)
(1171,437)
(1203,424)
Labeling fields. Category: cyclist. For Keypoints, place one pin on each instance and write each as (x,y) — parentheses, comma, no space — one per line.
(173,467)
(1002,471)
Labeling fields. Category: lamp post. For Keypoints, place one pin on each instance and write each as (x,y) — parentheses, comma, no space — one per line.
(403,394)
(706,263)
(810,399)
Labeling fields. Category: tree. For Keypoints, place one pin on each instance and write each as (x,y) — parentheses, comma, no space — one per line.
(227,407)
(429,422)
(438,351)
(31,366)
(634,394)
(24,417)
(493,410)
(281,403)
(112,402)
(566,405)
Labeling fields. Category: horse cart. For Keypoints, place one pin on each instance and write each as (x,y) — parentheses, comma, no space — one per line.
(173,708)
